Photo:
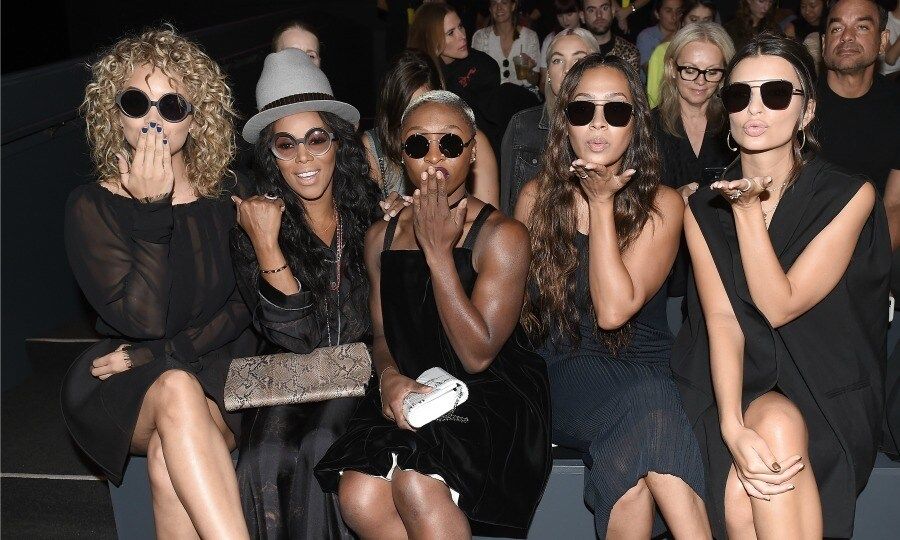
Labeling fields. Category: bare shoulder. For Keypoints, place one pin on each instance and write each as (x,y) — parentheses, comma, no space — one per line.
(669,203)
(504,233)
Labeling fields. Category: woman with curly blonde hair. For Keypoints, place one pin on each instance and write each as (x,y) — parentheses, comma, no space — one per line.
(148,244)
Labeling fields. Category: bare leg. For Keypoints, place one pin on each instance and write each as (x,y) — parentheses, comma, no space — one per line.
(195,453)
(169,516)
(426,507)
(796,513)
(632,515)
(683,510)
(367,506)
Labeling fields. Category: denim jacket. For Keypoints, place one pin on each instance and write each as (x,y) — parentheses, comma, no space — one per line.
(520,154)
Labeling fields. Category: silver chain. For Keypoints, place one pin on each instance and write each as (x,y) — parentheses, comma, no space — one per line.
(450,417)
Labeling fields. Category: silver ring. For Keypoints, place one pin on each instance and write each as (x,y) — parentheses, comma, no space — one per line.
(271,197)
(749,186)
(583,176)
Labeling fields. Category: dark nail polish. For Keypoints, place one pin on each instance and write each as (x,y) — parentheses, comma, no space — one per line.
(143,130)
(153,124)
(159,129)
(165,141)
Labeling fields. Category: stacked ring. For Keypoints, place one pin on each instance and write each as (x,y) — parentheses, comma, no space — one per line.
(271,197)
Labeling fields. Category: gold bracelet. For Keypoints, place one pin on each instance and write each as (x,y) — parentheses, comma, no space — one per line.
(279,269)
(381,375)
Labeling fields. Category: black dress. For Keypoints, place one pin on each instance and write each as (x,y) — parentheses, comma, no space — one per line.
(499,460)
(160,278)
(828,361)
(681,166)
(622,410)
(280,445)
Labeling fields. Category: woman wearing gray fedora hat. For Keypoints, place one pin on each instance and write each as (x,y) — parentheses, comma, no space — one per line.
(298,254)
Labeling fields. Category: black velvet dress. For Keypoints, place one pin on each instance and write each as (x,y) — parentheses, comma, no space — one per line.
(499,460)
(160,278)
(280,445)
(828,361)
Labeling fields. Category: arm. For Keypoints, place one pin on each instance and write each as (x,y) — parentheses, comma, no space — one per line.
(123,269)
(892,204)
(893,52)
(478,327)
(525,202)
(392,385)
(621,283)
(726,339)
(484,172)
(757,468)
(780,296)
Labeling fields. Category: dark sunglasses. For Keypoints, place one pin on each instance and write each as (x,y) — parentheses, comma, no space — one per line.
(135,104)
(284,146)
(450,144)
(776,95)
(616,113)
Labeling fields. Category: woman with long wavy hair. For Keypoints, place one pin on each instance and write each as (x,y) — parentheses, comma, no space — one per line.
(604,234)
(148,246)
(299,259)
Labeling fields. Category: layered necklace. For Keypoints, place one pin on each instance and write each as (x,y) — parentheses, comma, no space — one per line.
(335,285)
(767,216)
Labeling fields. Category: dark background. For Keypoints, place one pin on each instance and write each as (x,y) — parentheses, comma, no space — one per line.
(45,50)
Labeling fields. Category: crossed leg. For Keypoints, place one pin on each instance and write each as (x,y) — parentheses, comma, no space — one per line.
(187,445)
(793,514)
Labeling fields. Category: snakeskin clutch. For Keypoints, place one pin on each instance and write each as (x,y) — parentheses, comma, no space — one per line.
(285,378)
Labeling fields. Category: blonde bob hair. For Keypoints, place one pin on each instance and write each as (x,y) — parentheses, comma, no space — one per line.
(590,42)
(669,102)
(210,145)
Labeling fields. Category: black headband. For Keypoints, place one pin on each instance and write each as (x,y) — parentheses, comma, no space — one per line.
(297,98)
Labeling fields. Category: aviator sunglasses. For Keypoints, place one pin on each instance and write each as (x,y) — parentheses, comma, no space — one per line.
(616,113)
(284,146)
(135,104)
(776,95)
(451,145)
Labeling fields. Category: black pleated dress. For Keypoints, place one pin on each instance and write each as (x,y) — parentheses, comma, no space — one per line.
(499,460)
(828,361)
(622,410)
(160,278)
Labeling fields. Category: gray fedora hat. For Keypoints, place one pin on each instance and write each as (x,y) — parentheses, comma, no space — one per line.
(291,83)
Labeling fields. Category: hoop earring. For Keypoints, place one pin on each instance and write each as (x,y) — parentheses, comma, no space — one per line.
(802,144)
(728,142)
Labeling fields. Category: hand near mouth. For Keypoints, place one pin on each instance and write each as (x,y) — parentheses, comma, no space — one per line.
(743,192)
(598,182)
(437,226)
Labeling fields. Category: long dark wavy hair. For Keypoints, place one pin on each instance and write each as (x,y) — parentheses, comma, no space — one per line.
(551,308)
(311,262)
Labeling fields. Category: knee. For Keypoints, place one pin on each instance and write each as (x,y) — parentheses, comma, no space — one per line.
(637,496)
(359,501)
(779,422)
(176,393)
(410,493)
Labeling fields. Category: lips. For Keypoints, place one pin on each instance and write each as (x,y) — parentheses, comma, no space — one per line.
(598,144)
(755,128)
(307,178)
(846,51)
(443,171)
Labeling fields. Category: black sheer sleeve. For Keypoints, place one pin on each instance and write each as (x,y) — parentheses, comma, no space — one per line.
(119,253)
(287,320)
(189,345)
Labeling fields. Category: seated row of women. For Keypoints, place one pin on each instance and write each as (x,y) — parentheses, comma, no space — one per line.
(762,417)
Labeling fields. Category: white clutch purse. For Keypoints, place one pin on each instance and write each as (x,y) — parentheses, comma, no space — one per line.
(448,394)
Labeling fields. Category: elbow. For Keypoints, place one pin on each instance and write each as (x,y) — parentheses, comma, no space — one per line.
(146,329)
(610,319)
(474,366)
(777,320)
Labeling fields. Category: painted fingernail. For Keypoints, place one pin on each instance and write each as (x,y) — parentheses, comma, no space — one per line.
(776,467)
(143,130)
(159,129)
(165,141)
(153,124)
(790,486)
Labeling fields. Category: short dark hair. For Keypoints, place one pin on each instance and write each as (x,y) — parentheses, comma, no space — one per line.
(882,14)
(561,7)
(691,4)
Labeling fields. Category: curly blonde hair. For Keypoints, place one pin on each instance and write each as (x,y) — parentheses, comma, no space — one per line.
(210,146)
